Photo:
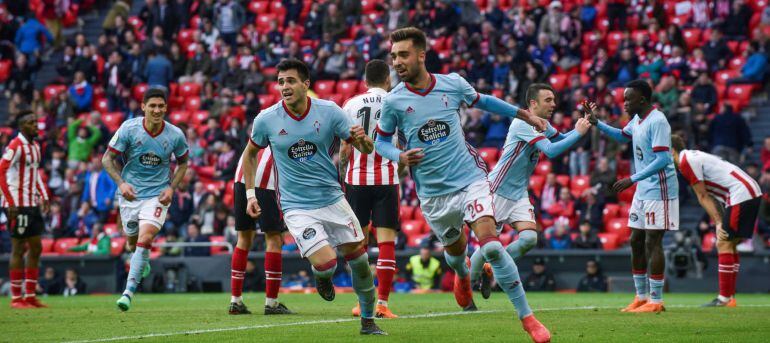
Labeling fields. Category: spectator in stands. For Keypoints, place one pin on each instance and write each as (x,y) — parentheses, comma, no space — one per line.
(764,155)
(198,67)
(590,208)
(704,94)
(82,221)
(579,155)
(651,67)
(227,161)
(54,221)
(85,63)
(178,61)
(666,94)
(99,189)
(98,244)
(496,127)
(560,238)
(544,53)
(424,268)
(594,280)
(314,22)
(120,9)
(755,69)
(588,14)
(117,78)
(734,26)
(696,64)
(180,210)
(172,237)
(81,92)
(73,285)
(158,71)
(29,38)
(194,236)
(550,193)
(540,279)
(50,283)
(564,207)
(334,22)
(82,140)
(474,126)
(626,68)
(397,16)
(729,135)
(205,214)
(20,81)
(587,238)
(716,51)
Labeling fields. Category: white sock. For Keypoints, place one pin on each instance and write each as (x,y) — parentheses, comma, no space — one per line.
(236,300)
(129,294)
(723,299)
(271,302)
(382,303)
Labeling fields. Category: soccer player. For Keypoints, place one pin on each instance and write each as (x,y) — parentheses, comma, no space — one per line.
(655,207)
(509,178)
(146,145)
(714,178)
(450,176)
(302,135)
(372,182)
(25,196)
(271,223)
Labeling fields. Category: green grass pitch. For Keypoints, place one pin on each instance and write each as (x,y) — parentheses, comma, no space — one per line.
(425,318)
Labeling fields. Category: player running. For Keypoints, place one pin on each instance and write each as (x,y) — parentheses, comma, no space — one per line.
(146,144)
(371,182)
(449,174)
(655,207)
(270,223)
(302,135)
(25,197)
(713,178)
(510,177)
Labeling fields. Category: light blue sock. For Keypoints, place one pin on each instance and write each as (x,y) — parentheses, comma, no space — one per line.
(656,290)
(139,259)
(525,242)
(507,276)
(457,263)
(640,283)
(363,284)
(477,265)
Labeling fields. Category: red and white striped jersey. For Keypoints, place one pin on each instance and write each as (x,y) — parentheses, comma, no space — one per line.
(369,169)
(20,179)
(265,176)
(727,183)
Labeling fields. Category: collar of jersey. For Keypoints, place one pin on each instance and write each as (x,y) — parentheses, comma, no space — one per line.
(162,127)
(425,91)
(647,115)
(292,115)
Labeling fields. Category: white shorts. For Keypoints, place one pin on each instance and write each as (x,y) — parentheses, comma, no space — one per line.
(654,214)
(140,211)
(446,214)
(509,211)
(333,225)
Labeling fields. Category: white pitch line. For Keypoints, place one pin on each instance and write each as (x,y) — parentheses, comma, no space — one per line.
(346,320)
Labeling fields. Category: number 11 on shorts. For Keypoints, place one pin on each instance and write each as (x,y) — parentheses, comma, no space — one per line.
(650,218)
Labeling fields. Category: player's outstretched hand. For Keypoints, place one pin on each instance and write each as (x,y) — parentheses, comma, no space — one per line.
(538,123)
(411,157)
(590,109)
(45,206)
(357,132)
(165,196)
(622,185)
(252,208)
(582,126)
(127,191)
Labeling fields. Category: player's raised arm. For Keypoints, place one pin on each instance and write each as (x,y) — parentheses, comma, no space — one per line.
(492,104)
(621,136)
(553,149)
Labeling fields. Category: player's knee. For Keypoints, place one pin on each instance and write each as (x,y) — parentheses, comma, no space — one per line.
(528,239)
(724,246)
(35,249)
(273,242)
(492,250)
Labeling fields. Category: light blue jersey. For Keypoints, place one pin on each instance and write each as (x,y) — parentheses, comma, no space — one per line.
(510,176)
(430,120)
(147,157)
(650,135)
(302,149)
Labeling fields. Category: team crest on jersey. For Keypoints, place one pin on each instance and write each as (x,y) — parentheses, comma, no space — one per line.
(302,151)
(433,132)
(445,99)
(283,132)
(151,160)
(317,127)
(309,233)
(409,110)
(639,154)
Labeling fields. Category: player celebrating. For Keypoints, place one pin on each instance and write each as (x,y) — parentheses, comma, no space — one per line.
(713,178)
(302,135)
(655,207)
(372,182)
(146,145)
(271,223)
(24,196)
(510,177)
(449,174)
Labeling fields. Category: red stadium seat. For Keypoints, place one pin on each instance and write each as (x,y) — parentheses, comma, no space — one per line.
(412,227)
(347,88)
(339,99)
(627,195)
(618,226)
(259,7)
(724,75)
(112,120)
(199,117)
(52,91)
(111,229)
(418,214)
(218,249)
(178,117)
(536,183)
(585,65)
(692,38)
(579,184)
(62,245)
(47,245)
(611,211)
(266,100)
(138,91)
(617,93)
(415,241)
(563,180)
(273,88)
(324,88)
(489,155)
(406,213)
(637,33)
(613,41)
(5,69)
(192,103)
(439,44)
(264,20)
(101,105)
(709,241)
(369,6)
(543,168)
(276,7)
(117,245)
(609,241)
(740,93)
(188,89)
(558,81)
(736,63)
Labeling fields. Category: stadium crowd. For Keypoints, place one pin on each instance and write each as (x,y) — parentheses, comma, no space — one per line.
(216,59)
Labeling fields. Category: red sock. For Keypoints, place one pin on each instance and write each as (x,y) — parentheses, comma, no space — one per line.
(240,257)
(272,274)
(737,261)
(386,268)
(726,275)
(30,284)
(17,278)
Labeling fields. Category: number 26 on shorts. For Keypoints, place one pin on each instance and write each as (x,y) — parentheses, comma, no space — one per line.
(475,208)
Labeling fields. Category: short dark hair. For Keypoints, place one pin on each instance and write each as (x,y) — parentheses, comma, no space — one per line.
(24,115)
(534,89)
(154,93)
(678,143)
(585,222)
(377,72)
(642,87)
(411,33)
(294,64)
